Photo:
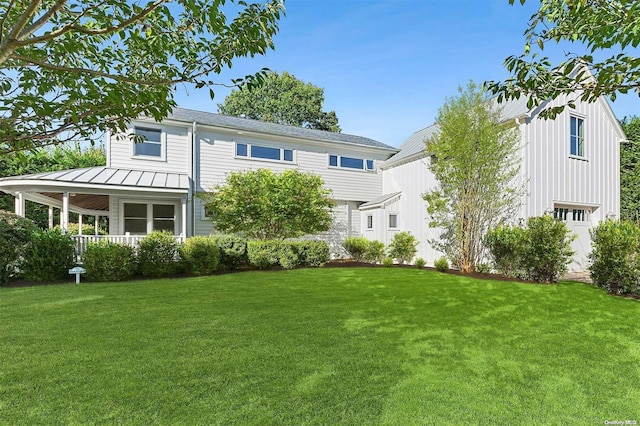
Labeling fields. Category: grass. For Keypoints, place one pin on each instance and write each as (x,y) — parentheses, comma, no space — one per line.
(318,346)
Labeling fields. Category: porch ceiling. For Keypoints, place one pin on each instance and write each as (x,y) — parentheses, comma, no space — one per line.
(83,201)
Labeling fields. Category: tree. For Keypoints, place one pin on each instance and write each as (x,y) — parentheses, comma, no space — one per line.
(598,24)
(630,170)
(69,68)
(474,160)
(282,99)
(61,157)
(264,205)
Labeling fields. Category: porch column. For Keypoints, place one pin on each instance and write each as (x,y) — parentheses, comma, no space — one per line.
(64,213)
(80,224)
(183,203)
(97,225)
(20,207)
(50,217)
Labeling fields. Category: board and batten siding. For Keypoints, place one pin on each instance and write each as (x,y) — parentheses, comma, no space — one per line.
(177,145)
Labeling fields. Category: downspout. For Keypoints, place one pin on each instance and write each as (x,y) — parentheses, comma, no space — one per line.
(192,181)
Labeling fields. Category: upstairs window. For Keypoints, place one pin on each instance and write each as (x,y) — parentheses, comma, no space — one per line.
(576,139)
(264,152)
(350,163)
(151,144)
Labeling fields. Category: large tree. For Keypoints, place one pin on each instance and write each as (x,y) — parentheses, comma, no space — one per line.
(607,27)
(630,170)
(265,205)
(282,99)
(69,68)
(474,160)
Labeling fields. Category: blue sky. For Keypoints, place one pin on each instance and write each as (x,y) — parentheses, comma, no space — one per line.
(386,66)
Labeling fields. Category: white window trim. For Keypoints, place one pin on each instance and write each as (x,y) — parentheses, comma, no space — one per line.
(150,203)
(367,222)
(364,163)
(267,160)
(582,157)
(163,144)
(389,220)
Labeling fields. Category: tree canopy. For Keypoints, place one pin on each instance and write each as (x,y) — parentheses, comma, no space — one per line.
(630,170)
(282,99)
(602,26)
(474,160)
(264,205)
(70,68)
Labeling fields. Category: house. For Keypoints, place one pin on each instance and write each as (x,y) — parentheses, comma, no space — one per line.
(152,185)
(570,167)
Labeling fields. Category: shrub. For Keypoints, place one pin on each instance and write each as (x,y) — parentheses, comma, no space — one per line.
(200,256)
(263,254)
(158,255)
(288,254)
(107,261)
(48,256)
(87,229)
(387,262)
(375,252)
(313,253)
(356,247)
(403,247)
(547,251)
(15,235)
(506,245)
(483,268)
(233,250)
(615,259)
(420,262)
(441,264)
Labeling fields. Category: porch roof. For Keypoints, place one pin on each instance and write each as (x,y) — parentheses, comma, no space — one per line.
(380,201)
(90,187)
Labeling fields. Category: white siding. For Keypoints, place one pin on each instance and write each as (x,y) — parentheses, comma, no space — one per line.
(177,141)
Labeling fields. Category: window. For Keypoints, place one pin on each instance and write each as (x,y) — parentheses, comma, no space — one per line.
(151,144)
(369,221)
(263,152)
(143,218)
(576,139)
(393,221)
(573,214)
(350,163)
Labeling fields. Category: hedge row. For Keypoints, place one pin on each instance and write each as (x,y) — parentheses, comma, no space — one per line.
(403,248)
(160,255)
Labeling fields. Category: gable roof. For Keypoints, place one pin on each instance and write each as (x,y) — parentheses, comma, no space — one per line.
(380,201)
(250,125)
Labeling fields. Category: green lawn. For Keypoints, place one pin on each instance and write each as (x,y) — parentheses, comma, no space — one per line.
(318,346)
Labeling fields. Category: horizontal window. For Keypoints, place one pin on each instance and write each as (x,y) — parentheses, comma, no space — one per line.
(151,143)
(350,163)
(263,152)
(572,214)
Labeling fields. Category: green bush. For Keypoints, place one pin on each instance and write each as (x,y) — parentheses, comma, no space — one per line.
(158,255)
(288,254)
(387,262)
(200,255)
(615,259)
(483,268)
(419,263)
(313,253)
(356,247)
(547,251)
(441,264)
(107,261)
(263,254)
(233,250)
(403,247)
(506,245)
(49,256)
(15,235)
(87,229)
(375,252)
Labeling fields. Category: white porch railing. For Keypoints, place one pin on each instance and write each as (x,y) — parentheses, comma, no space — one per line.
(82,241)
